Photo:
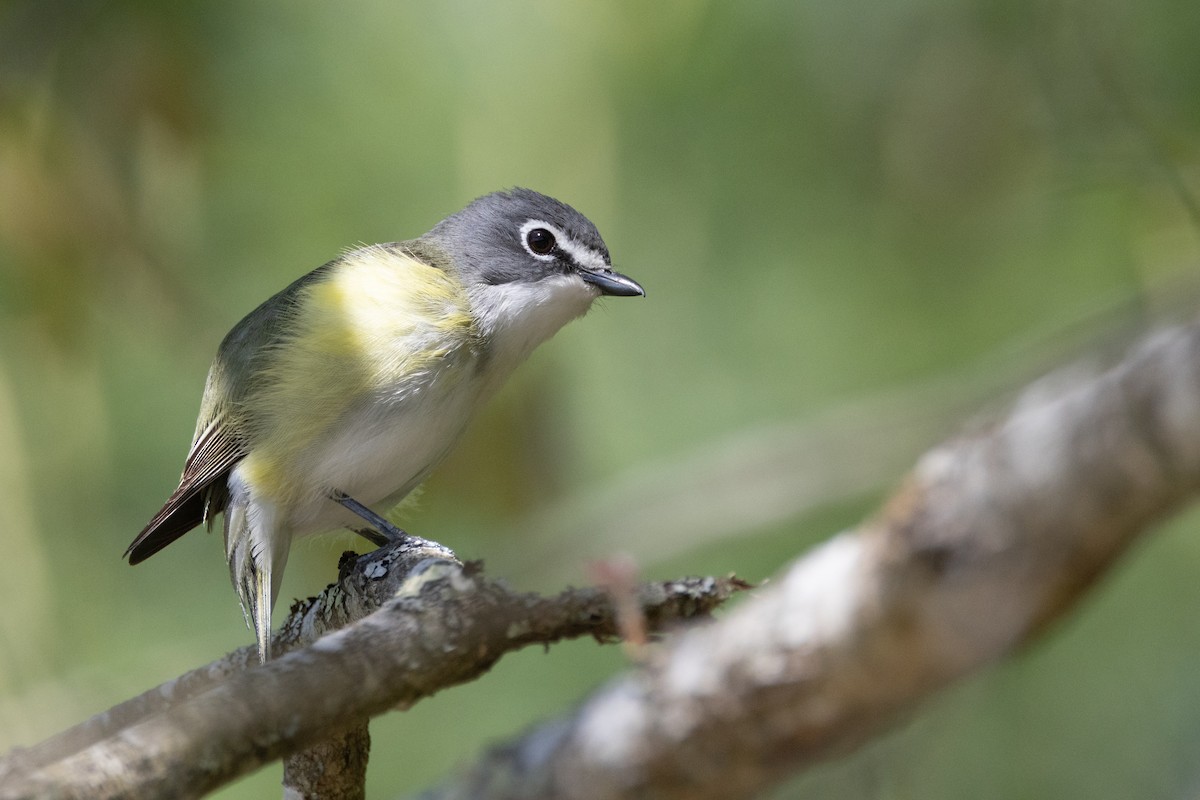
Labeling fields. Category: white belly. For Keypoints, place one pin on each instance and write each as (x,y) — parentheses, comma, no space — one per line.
(380,453)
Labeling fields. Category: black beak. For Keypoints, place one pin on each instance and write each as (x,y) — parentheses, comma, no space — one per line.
(613,283)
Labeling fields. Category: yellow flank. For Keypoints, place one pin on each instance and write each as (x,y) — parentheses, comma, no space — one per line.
(380,323)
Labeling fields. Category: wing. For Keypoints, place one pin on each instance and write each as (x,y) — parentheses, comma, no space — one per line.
(229,419)
(202,491)
(220,443)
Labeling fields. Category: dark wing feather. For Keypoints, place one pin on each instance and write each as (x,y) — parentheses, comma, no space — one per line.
(203,489)
(202,492)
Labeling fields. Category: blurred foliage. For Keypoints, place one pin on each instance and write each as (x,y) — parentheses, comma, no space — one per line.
(828,202)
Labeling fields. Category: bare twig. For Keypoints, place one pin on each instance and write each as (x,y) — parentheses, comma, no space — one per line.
(446,624)
(360,590)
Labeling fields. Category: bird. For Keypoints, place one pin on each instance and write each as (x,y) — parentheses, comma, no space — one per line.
(338,395)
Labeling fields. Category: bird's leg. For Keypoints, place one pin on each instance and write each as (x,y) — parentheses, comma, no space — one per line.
(384,533)
(373,536)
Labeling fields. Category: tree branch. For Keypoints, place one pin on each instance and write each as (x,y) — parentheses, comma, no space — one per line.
(332,769)
(992,536)
(443,624)
(364,585)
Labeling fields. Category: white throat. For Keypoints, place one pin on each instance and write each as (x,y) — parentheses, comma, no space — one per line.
(514,318)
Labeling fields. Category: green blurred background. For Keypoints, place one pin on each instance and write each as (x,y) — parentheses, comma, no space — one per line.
(858,223)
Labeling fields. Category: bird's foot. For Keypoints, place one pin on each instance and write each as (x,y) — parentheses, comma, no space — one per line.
(383,533)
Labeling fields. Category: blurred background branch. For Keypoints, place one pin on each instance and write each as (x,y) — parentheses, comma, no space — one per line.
(992,537)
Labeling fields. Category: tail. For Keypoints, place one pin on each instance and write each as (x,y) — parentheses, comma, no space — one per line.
(257,550)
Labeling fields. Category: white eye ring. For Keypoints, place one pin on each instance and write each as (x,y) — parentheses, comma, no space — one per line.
(582,256)
(533,225)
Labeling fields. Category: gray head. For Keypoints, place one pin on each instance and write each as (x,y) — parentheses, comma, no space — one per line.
(523,236)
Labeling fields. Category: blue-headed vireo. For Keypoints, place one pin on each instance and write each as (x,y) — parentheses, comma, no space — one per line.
(345,389)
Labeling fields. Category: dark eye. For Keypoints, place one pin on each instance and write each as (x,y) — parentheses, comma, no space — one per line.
(540,241)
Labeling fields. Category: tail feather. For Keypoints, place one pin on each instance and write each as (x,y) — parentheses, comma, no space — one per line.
(257,552)
(264,603)
(186,508)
